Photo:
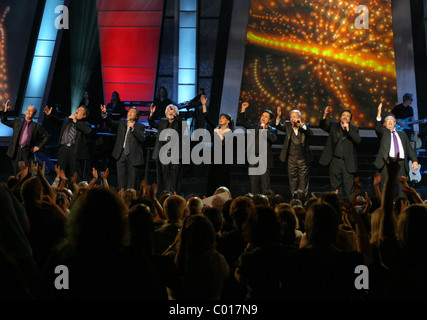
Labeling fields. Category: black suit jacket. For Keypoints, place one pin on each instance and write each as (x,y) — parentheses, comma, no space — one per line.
(385,144)
(271,136)
(136,138)
(353,139)
(83,130)
(160,126)
(306,134)
(38,134)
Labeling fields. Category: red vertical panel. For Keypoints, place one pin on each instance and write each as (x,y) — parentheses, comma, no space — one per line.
(129,33)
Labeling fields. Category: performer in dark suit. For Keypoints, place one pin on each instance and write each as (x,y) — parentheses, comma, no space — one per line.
(296,150)
(171,172)
(72,146)
(218,173)
(263,124)
(128,147)
(26,134)
(340,151)
(393,143)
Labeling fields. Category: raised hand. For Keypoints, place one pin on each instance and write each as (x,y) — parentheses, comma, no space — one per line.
(48,200)
(203,99)
(403,180)
(42,169)
(245,105)
(279,112)
(106,173)
(357,183)
(74,178)
(23,169)
(58,171)
(379,110)
(35,168)
(326,112)
(154,188)
(95,174)
(152,109)
(62,175)
(6,106)
(368,201)
(103,108)
(409,191)
(47,111)
(377,179)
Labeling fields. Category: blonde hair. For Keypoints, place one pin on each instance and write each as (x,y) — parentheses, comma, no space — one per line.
(172,106)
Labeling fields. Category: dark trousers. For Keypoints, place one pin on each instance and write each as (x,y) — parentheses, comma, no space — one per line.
(127,174)
(298,171)
(398,186)
(22,154)
(265,183)
(68,162)
(340,178)
(171,174)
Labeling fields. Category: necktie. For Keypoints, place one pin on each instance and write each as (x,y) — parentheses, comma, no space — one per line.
(126,146)
(24,136)
(72,133)
(396,145)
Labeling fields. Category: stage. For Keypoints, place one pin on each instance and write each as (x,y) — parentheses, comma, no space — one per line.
(194,177)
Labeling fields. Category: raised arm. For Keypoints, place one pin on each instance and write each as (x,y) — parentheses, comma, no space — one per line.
(110,122)
(325,122)
(48,190)
(3,115)
(152,123)
(242,119)
(48,115)
(376,183)
(379,129)
(210,124)
(278,121)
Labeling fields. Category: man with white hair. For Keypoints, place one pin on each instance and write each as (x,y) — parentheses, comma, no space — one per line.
(395,144)
(296,150)
(26,134)
(170,172)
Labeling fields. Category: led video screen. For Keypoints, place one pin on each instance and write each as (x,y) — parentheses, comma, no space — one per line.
(309,54)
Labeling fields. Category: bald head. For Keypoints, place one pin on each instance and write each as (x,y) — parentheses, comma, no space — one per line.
(194,205)
(30,113)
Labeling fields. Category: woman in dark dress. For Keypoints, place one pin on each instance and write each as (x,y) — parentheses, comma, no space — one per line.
(161,102)
(218,174)
(116,108)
